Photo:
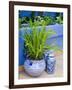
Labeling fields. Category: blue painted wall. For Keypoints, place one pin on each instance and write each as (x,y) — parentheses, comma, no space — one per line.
(55,39)
(28,14)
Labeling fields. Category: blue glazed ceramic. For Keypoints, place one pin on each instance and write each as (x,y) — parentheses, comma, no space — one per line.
(34,67)
(50,62)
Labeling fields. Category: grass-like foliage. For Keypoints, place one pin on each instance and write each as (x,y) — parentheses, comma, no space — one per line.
(35,40)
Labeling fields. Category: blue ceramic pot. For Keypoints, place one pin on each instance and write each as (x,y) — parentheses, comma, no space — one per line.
(50,62)
(34,67)
(51,65)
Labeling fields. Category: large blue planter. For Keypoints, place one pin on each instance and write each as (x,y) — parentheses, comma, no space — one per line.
(34,67)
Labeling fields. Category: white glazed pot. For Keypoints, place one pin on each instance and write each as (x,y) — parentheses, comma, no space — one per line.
(34,67)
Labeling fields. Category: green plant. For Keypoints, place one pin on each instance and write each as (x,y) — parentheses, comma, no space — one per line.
(20,22)
(49,20)
(35,40)
(23,20)
(39,20)
(59,19)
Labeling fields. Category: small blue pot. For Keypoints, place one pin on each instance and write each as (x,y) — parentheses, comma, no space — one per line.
(51,65)
(34,67)
(50,62)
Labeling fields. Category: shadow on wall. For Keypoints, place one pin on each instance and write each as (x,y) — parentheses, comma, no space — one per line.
(55,39)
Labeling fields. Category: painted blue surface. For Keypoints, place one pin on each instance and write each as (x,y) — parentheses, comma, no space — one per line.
(58,41)
(55,39)
(51,14)
(23,13)
(21,55)
(58,28)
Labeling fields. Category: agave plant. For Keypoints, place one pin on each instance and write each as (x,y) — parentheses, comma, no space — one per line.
(35,40)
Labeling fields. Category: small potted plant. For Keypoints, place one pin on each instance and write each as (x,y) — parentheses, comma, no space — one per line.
(35,44)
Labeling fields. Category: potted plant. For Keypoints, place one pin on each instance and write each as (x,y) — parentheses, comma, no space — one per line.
(35,44)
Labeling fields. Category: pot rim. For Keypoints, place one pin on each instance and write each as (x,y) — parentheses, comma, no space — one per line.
(36,60)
